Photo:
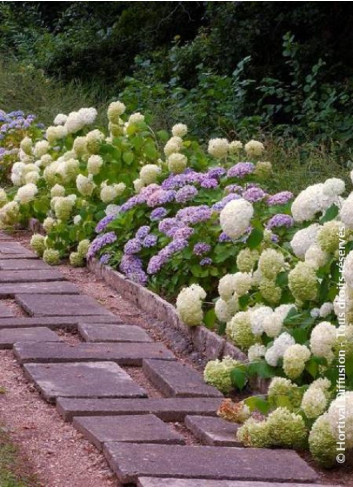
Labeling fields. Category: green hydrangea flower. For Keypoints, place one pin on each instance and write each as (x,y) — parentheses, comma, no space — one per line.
(217,373)
(76,259)
(302,282)
(52,257)
(238,330)
(286,429)
(246,260)
(38,244)
(269,291)
(328,236)
(254,433)
(322,443)
(281,387)
(82,247)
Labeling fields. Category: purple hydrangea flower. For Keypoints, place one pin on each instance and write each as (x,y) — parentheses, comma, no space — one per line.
(280,220)
(201,248)
(150,241)
(142,232)
(216,172)
(241,170)
(209,183)
(183,233)
(167,224)
(206,261)
(105,258)
(132,247)
(234,189)
(218,206)
(99,242)
(130,263)
(188,192)
(158,213)
(224,238)
(160,197)
(194,214)
(254,194)
(280,198)
(103,223)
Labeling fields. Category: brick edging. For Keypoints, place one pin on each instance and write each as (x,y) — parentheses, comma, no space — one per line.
(206,342)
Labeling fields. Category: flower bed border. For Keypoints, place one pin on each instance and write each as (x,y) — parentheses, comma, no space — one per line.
(206,342)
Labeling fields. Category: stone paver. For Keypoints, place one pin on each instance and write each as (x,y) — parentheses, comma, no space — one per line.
(8,337)
(168,409)
(5,312)
(53,322)
(145,428)
(163,482)
(130,461)
(213,431)
(11,250)
(90,379)
(23,264)
(131,354)
(124,333)
(65,305)
(60,287)
(177,380)
(18,276)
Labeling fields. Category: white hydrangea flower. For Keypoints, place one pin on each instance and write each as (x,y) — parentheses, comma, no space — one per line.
(57,191)
(333,187)
(257,318)
(135,118)
(85,185)
(53,133)
(294,360)
(26,145)
(177,162)
(314,402)
(110,192)
(138,185)
(346,212)
(323,339)
(311,201)
(235,217)
(48,224)
(340,416)
(256,352)
(225,310)
(173,145)
(218,147)
(60,119)
(278,349)
(32,177)
(94,164)
(179,130)
(115,110)
(189,304)
(254,148)
(273,324)
(303,239)
(235,147)
(315,312)
(88,115)
(74,122)
(112,209)
(41,148)
(348,269)
(326,309)
(77,219)
(315,256)
(149,173)
(26,193)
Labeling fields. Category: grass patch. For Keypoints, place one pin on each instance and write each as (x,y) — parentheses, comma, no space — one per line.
(23,87)
(13,469)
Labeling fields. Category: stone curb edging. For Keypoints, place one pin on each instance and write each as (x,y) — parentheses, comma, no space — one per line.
(206,342)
